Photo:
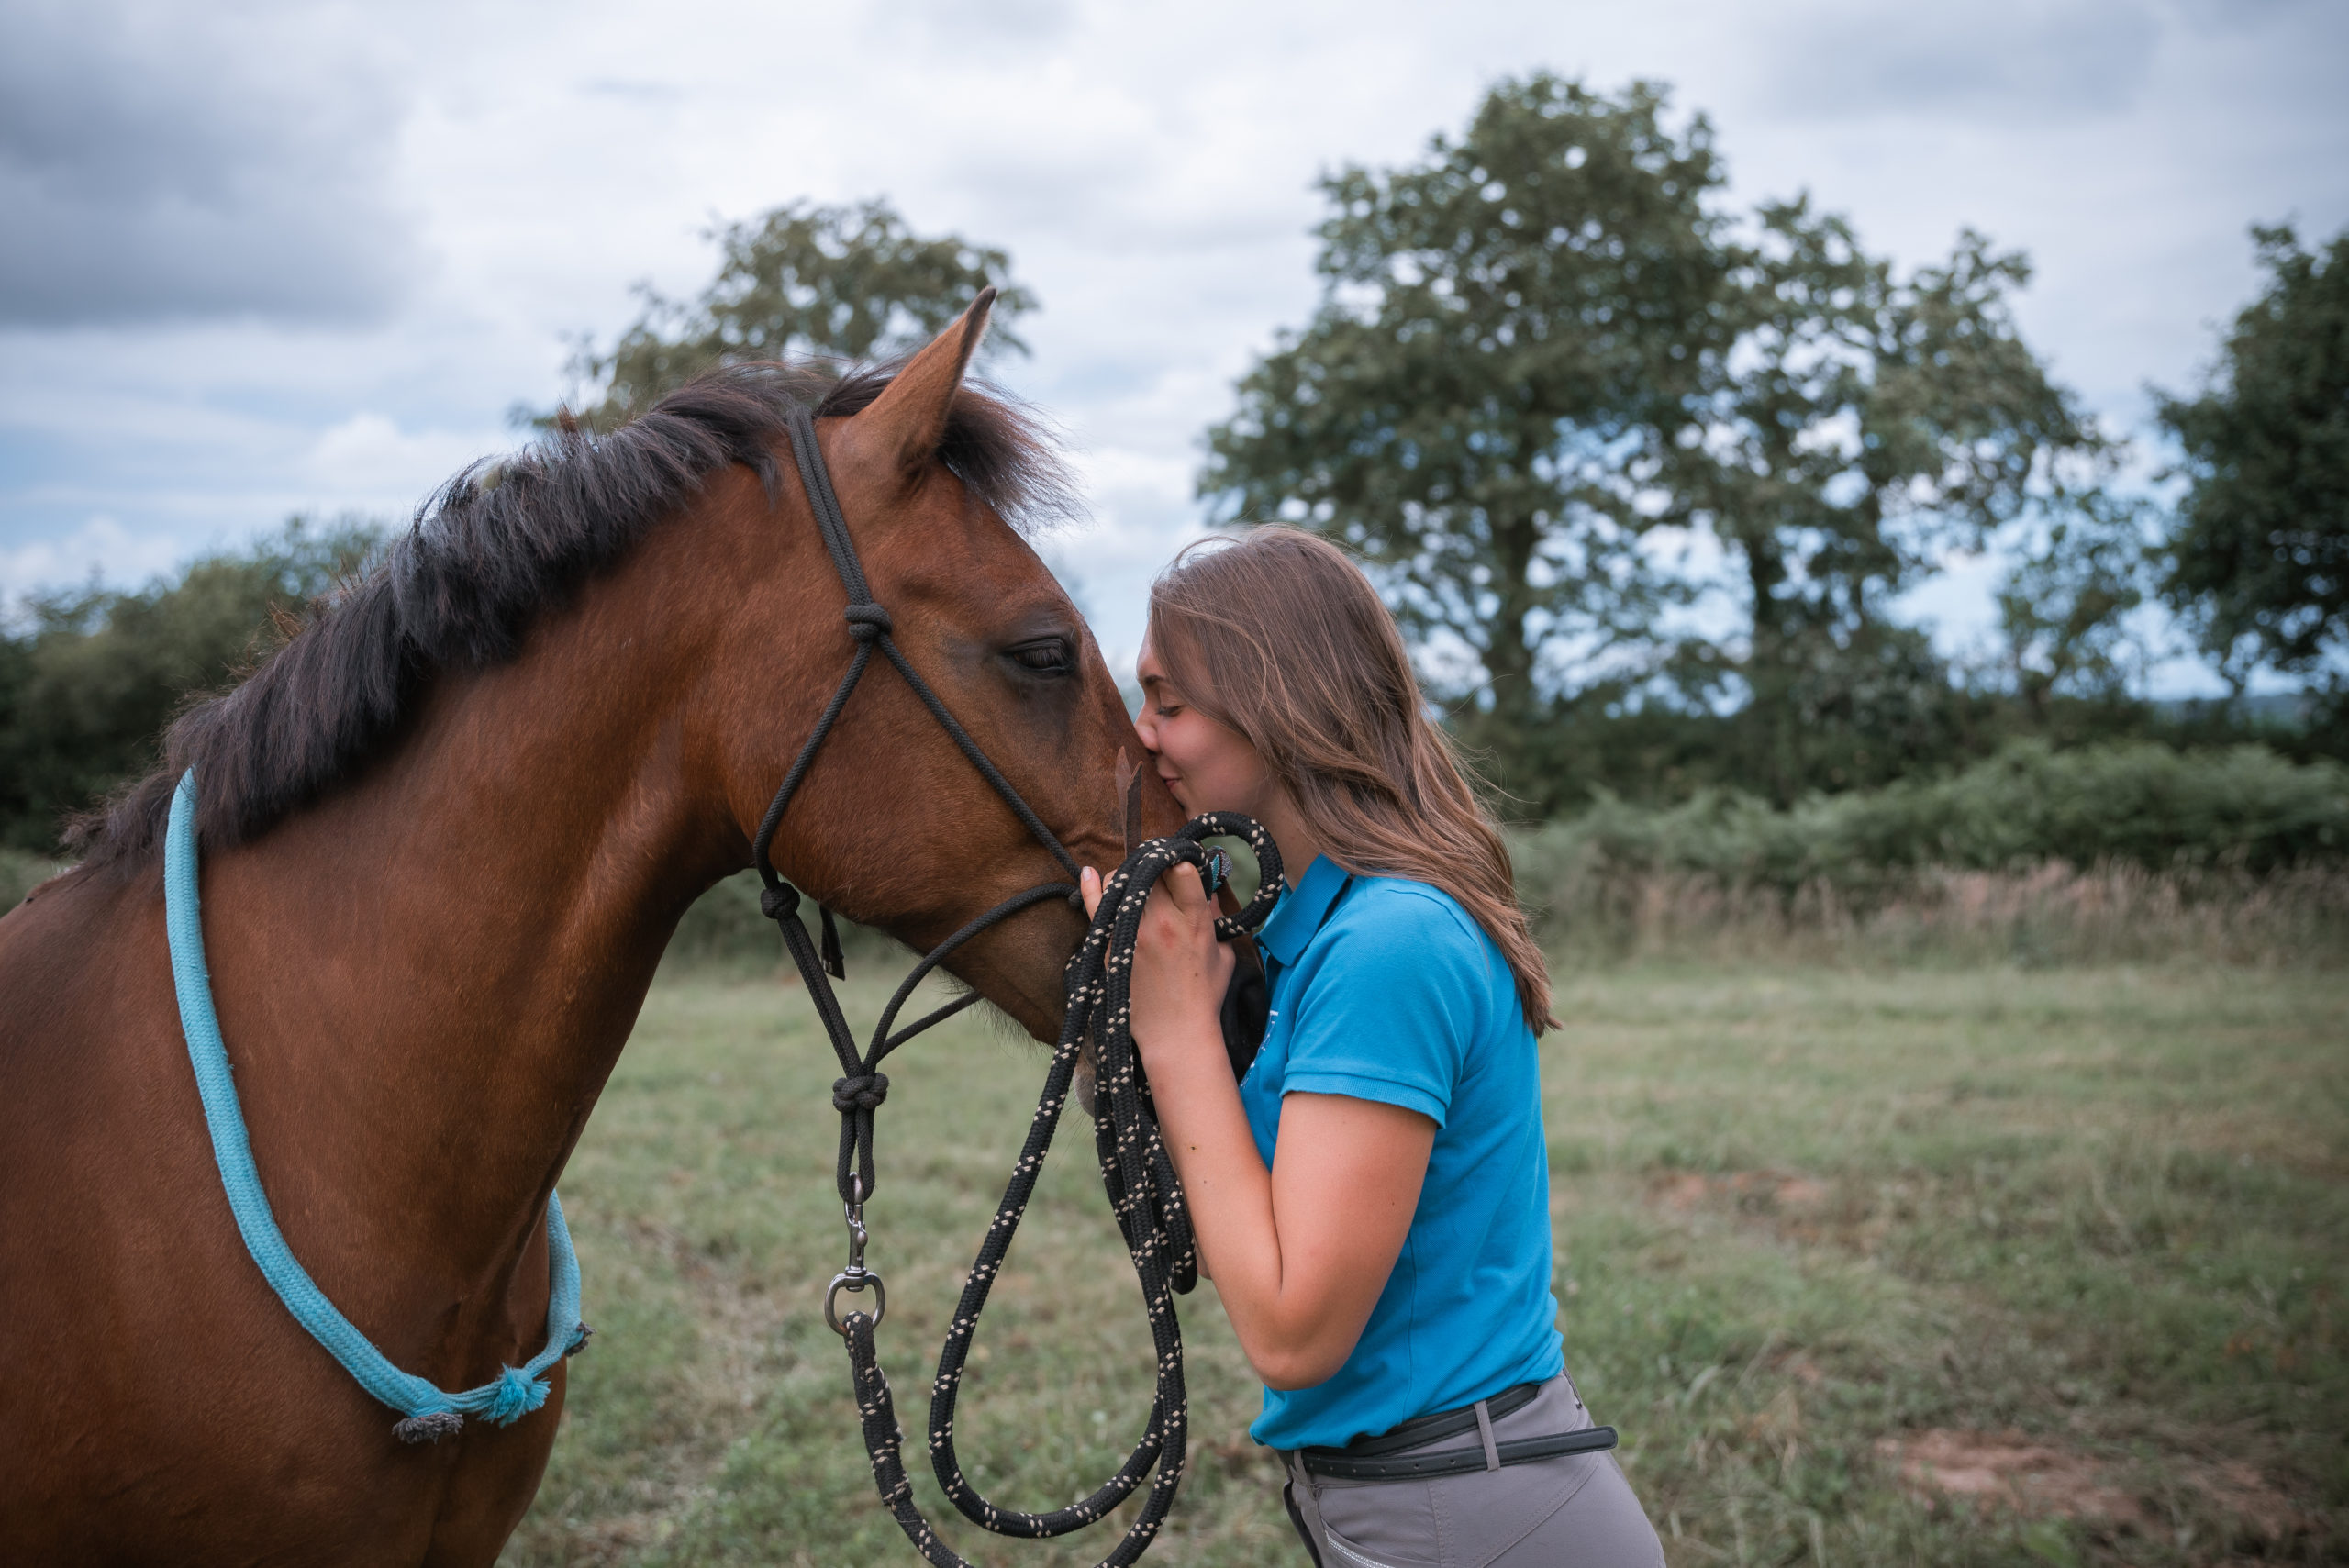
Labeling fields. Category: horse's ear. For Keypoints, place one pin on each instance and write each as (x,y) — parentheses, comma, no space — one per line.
(903,426)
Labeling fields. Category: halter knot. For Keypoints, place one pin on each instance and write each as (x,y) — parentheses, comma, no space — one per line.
(866,622)
(518,1395)
(863,1093)
(776,902)
(428,1427)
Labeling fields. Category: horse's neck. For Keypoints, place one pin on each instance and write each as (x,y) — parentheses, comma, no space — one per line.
(425,980)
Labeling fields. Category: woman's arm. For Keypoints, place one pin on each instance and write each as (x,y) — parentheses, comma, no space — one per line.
(1298,1254)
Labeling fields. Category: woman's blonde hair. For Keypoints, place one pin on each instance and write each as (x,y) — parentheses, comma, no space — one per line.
(1280,638)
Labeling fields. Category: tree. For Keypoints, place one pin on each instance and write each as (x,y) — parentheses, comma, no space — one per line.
(86,689)
(1864,423)
(2257,560)
(2062,606)
(840,282)
(1546,340)
(1503,328)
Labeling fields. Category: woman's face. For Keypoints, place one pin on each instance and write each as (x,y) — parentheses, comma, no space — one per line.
(1207,766)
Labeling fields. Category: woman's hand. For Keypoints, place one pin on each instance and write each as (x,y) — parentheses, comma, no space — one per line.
(1299,1252)
(1180,971)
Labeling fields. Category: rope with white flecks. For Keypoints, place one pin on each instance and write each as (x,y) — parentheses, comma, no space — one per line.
(1143,1193)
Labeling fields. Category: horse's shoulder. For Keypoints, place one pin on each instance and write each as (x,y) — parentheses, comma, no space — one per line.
(64,952)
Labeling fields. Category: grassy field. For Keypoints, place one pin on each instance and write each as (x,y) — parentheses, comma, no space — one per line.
(1962,1266)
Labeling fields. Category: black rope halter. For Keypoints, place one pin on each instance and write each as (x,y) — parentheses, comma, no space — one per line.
(1135,1168)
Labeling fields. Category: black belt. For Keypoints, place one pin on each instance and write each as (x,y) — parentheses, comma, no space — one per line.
(1372,1458)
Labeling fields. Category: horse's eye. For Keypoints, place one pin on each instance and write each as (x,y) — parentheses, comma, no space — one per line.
(1045,656)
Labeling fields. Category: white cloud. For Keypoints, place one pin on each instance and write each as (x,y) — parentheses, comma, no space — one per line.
(368,455)
(101,547)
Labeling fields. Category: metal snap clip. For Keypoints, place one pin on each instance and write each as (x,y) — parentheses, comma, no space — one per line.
(855,1278)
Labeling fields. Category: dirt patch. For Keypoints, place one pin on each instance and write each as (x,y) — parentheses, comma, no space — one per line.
(1804,1210)
(2235,1488)
(1769,1190)
(1682,1192)
(1990,1469)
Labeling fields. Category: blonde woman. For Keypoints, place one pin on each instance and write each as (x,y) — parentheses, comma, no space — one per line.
(1372,1198)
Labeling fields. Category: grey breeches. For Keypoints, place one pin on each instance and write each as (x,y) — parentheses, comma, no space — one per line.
(1575,1509)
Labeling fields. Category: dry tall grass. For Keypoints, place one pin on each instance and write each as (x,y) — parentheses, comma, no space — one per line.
(2049,914)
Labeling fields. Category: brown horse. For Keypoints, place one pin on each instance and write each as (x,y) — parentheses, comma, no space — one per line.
(446,832)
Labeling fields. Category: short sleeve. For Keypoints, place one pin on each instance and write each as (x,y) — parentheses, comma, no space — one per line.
(1387,1007)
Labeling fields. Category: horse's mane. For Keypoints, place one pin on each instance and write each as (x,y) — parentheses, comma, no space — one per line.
(504,542)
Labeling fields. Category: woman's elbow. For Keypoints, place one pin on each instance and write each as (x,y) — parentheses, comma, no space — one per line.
(1288,1368)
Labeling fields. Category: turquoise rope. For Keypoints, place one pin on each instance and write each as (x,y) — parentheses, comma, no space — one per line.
(518,1390)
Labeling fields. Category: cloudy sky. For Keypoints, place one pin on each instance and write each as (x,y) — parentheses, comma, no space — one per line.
(259,258)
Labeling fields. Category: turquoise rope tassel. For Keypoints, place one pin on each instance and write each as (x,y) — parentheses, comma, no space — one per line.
(518,1390)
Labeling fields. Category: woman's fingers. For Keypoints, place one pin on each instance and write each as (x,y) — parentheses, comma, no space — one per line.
(1179,912)
(1182,886)
(1180,970)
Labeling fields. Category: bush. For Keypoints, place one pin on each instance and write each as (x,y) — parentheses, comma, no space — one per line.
(21,873)
(2047,915)
(2126,851)
(2133,803)
(2130,803)
(725,928)
(86,688)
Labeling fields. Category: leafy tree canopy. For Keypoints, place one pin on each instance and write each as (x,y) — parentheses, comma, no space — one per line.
(848,282)
(2258,560)
(1502,326)
(89,681)
(1864,423)
(1548,339)
(2063,607)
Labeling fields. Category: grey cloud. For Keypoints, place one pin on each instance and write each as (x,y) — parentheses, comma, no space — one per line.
(632,90)
(2235,17)
(2039,60)
(169,163)
(1007,30)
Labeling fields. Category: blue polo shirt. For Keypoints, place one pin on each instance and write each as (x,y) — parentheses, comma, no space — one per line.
(1385,989)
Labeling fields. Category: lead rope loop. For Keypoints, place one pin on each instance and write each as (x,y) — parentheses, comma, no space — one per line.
(1145,1195)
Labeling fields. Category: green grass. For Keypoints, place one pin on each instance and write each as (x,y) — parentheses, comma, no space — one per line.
(1799,1212)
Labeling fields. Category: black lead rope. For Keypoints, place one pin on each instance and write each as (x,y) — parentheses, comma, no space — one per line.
(1143,1193)
(1135,1168)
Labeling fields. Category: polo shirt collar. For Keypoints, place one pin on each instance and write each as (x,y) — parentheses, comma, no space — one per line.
(1299,914)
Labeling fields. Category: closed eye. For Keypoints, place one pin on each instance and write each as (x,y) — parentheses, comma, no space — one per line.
(1044,656)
